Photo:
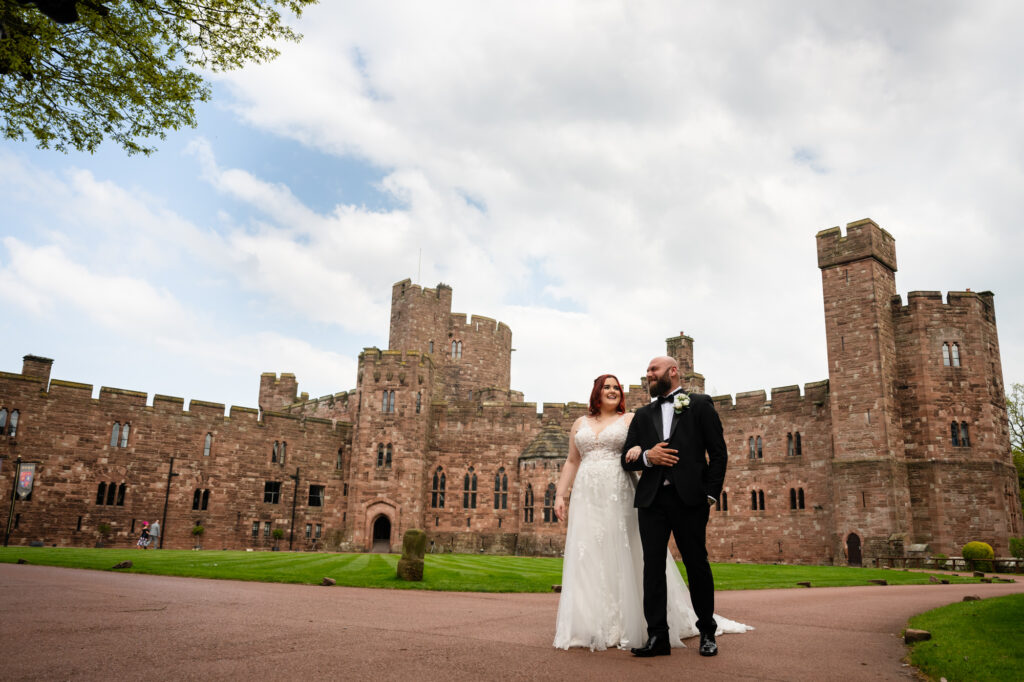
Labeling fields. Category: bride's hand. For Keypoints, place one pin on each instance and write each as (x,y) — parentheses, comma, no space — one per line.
(633,454)
(560,511)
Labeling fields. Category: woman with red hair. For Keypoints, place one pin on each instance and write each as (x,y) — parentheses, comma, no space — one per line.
(601,604)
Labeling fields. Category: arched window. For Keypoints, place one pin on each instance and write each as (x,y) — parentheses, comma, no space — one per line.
(549,504)
(121,489)
(945,355)
(954,432)
(454,346)
(792,498)
(460,350)
(115,433)
(790,451)
(753,500)
(12,429)
(469,489)
(419,401)
(965,439)
(760,499)
(501,489)
(3,420)
(387,456)
(337,462)
(273,453)
(101,492)
(760,451)
(283,451)
(800,498)
(956,354)
(196,497)
(111,492)
(753,452)
(124,434)
(437,491)
(384,402)
(391,403)
(799,448)
(528,504)
(380,455)
(206,499)
(207,445)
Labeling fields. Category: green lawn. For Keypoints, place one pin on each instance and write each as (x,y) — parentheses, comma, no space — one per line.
(977,640)
(446,572)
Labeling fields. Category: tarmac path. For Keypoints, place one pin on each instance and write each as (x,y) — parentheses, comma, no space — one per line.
(67,624)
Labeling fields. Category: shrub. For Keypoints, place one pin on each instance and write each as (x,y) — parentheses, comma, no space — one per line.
(278,533)
(1017,547)
(198,530)
(940,560)
(981,552)
(104,529)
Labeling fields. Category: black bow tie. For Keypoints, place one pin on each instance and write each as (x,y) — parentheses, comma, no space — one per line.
(667,398)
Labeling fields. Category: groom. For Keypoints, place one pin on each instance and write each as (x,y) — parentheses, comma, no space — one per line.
(676,489)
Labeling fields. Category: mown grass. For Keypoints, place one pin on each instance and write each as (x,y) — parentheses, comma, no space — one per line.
(977,640)
(445,572)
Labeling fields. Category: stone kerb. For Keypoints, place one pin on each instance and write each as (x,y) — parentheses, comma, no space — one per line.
(414,547)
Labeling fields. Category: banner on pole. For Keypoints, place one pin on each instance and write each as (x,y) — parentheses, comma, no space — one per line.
(26,477)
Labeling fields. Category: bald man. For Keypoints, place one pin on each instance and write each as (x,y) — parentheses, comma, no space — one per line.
(682,472)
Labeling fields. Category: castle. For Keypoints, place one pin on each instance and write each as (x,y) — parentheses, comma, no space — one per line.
(904,445)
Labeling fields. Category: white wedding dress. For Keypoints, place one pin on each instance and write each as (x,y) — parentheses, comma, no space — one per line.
(601,603)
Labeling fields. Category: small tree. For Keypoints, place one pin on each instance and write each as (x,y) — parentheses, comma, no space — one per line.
(278,533)
(981,553)
(104,530)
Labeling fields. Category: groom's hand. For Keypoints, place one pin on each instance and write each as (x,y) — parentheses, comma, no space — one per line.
(662,455)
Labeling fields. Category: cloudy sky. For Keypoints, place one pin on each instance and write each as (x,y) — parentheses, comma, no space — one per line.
(599,175)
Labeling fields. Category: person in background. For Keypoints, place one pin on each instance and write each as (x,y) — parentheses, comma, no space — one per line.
(144,537)
(154,534)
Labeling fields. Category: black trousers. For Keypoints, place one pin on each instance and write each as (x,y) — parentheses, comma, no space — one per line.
(689,526)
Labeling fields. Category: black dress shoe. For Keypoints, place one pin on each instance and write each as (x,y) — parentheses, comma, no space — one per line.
(657,645)
(708,646)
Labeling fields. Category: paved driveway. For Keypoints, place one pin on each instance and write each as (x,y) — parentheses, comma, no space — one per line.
(71,624)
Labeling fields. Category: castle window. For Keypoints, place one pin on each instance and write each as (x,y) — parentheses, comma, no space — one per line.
(954,431)
(760,499)
(501,489)
(800,498)
(255,529)
(384,402)
(3,420)
(111,493)
(956,354)
(316,496)
(460,350)
(121,489)
(380,455)
(757,500)
(196,497)
(528,504)
(8,427)
(337,462)
(753,500)
(456,350)
(206,499)
(760,451)
(945,355)
(273,453)
(319,530)
(309,531)
(453,350)
(207,445)
(789,445)
(437,491)
(271,492)
(344,490)
(753,452)
(124,434)
(101,492)
(549,504)
(469,490)
(799,448)
(266,529)
(419,401)
(387,456)
(965,440)
(792,498)
(391,402)
(431,346)
(282,451)
(115,433)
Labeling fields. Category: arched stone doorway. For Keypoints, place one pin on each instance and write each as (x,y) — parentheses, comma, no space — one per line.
(853,549)
(381,535)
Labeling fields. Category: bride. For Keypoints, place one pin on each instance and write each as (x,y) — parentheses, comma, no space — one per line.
(601,603)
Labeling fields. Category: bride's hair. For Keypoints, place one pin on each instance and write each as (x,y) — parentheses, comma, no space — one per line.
(595,395)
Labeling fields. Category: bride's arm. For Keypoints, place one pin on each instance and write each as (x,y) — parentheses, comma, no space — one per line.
(572,463)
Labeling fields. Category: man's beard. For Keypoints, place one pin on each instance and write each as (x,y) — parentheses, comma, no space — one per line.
(661,386)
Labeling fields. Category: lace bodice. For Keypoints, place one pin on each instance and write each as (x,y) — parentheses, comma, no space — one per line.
(606,445)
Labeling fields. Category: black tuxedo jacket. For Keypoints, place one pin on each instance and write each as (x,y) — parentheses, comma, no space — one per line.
(695,431)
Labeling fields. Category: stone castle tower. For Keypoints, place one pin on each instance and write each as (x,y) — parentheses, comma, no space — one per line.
(905,445)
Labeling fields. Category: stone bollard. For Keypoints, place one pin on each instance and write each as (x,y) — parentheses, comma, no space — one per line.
(912,635)
(327,582)
(414,545)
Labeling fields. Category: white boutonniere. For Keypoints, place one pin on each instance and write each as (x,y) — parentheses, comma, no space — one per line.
(681,402)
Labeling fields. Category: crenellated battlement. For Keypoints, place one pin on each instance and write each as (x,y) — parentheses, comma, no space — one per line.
(863,239)
(982,300)
(782,397)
